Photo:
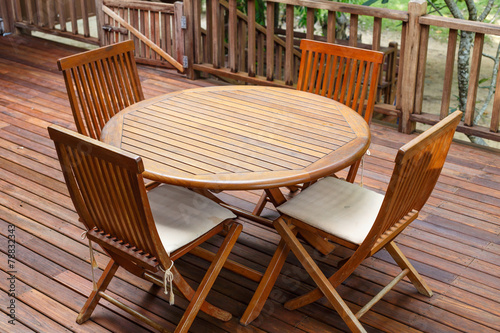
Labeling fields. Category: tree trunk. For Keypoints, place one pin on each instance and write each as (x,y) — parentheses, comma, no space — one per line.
(464,49)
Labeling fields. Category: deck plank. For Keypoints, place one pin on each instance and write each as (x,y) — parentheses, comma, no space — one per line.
(454,243)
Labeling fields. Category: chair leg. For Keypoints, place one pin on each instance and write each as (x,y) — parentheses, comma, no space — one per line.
(413,275)
(259,207)
(95,296)
(188,292)
(266,284)
(319,278)
(209,279)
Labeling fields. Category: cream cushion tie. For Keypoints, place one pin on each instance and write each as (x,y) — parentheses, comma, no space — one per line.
(181,215)
(335,206)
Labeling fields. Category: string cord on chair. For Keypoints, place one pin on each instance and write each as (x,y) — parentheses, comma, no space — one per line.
(363,166)
(93,262)
(168,276)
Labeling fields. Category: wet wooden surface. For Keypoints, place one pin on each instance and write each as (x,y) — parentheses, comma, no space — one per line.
(455,244)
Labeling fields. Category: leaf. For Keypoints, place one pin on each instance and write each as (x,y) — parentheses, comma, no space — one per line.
(371,2)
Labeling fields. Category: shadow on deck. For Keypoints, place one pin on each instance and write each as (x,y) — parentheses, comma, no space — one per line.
(455,244)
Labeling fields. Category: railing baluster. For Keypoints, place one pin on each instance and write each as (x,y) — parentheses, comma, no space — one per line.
(422,61)
(353,30)
(251,38)
(29,10)
(242,37)
(39,13)
(50,14)
(377,33)
(72,15)
(475,62)
(310,23)
(495,113)
(210,34)
(260,54)
(198,55)
(222,43)
(448,73)
(134,20)
(289,45)
(330,30)
(85,18)
(232,32)
(62,15)
(216,35)
(270,41)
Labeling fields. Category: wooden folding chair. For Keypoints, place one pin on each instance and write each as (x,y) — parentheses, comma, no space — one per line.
(100,83)
(359,219)
(143,233)
(347,74)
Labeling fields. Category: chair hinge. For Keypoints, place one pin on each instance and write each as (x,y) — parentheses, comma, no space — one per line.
(183,22)
(185,61)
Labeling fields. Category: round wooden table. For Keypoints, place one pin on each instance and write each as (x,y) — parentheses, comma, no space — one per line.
(239,137)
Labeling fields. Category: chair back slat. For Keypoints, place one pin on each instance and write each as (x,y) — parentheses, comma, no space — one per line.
(417,168)
(101,83)
(107,189)
(346,74)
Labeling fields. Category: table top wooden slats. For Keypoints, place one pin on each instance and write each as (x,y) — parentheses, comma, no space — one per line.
(239,137)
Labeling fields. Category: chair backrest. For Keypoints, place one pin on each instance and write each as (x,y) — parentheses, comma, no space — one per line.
(107,189)
(417,168)
(346,74)
(100,83)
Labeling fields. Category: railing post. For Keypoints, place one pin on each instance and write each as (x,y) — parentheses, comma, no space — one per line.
(99,16)
(7,14)
(179,32)
(416,8)
(189,6)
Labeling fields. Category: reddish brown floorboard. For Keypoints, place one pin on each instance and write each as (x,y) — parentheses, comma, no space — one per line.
(455,243)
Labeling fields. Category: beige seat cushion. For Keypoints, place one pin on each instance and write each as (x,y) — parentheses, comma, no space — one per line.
(340,208)
(181,215)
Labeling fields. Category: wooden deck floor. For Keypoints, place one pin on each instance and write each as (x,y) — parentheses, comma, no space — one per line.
(455,244)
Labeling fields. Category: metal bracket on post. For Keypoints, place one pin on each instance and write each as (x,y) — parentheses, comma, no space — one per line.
(185,62)
(183,22)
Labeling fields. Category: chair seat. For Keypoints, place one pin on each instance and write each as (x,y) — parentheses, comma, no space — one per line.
(337,207)
(181,215)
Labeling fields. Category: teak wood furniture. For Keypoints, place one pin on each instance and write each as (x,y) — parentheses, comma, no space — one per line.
(141,232)
(361,220)
(346,74)
(100,83)
(240,138)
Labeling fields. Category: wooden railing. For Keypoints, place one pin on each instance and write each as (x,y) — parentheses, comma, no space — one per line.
(480,30)
(154,27)
(63,18)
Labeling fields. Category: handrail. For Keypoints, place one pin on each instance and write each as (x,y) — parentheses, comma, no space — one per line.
(459,24)
(142,5)
(391,14)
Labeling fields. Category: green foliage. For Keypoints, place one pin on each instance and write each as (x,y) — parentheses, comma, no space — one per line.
(260,10)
